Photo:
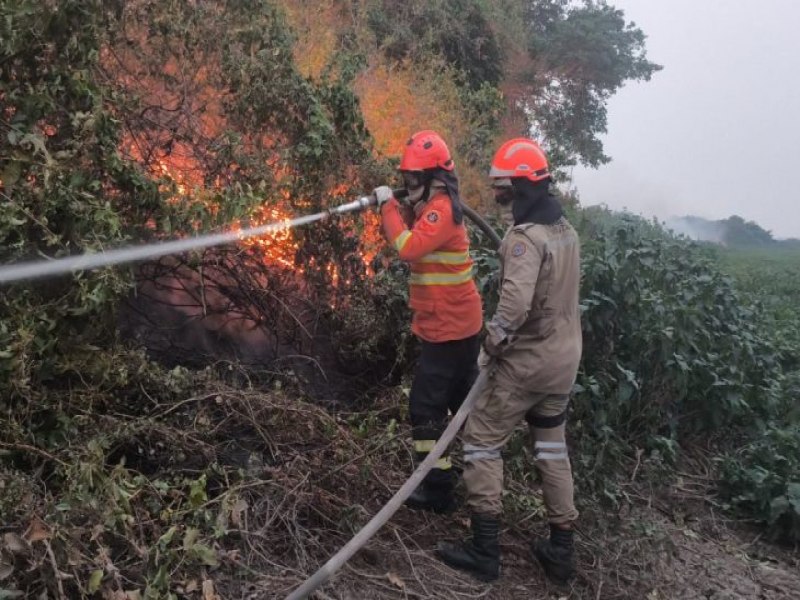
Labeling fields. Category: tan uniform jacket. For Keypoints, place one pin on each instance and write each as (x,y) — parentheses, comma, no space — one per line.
(537,322)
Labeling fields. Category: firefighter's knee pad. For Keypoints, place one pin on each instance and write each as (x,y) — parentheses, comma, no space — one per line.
(540,422)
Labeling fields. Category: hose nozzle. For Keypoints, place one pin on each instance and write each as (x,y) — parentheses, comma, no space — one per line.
(363,202)
(360,204)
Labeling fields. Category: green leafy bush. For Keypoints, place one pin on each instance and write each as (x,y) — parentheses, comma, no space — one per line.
(670,347)
(457,31)
(762,480)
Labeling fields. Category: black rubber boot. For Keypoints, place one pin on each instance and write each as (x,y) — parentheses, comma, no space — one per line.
(556,555)
(479,555)
(435,493)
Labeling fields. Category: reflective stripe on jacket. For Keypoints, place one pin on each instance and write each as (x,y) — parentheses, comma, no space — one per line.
(443,296)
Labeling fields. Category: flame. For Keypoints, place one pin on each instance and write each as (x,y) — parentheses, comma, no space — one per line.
(371,239)
(183,120)
(318,26)
(280,247)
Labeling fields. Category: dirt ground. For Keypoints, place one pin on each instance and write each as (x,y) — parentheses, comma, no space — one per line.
(641,553)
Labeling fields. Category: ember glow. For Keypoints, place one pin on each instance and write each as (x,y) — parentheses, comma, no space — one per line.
(180,135)
(281,247)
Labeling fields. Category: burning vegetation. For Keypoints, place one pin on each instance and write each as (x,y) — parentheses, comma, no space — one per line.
(199,132)
(272,424)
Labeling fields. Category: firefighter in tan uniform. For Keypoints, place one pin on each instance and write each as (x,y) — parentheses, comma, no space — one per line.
(532,350)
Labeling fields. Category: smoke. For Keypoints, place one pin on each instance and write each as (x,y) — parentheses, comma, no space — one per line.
(697,228)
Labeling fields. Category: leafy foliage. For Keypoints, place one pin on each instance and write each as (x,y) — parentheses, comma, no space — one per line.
(60,169)
(762,480)
(581,55)
(557,62)
(103,141)
(668,335)
(458,31)
(770,278)
(139,120)
(108,112)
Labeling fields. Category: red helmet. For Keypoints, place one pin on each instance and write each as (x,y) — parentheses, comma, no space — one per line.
(520,157)
(426,150)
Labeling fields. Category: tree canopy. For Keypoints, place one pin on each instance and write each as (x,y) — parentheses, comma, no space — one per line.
(581,55)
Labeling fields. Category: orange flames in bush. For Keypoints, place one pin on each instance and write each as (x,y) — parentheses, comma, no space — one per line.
(280,247)
(181,122)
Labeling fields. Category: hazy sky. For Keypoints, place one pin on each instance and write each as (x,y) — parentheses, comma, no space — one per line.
(717,132)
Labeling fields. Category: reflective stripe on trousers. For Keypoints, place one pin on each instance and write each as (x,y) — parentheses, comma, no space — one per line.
(423,447)
(473,453)
(488,428)
(550,450)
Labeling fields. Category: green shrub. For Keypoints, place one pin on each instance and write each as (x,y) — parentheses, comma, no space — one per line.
(762,481)
(669,346)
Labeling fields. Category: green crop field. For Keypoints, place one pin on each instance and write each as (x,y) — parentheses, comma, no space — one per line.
(770,277)
(764,476)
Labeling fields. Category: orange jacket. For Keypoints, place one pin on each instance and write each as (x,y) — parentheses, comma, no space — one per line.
(443,299)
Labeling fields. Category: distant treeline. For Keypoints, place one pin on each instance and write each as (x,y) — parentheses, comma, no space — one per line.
(733,231)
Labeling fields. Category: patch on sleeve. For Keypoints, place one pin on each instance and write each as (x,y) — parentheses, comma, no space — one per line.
(433,216)
(518,249)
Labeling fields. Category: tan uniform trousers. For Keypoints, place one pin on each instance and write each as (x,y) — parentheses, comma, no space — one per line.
(488,428)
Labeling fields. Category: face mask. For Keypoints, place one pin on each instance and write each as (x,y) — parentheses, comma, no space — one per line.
(413,179)
(415,194)
(504,197)
(414,182)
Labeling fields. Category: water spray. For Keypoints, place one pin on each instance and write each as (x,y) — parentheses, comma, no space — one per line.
(87,262)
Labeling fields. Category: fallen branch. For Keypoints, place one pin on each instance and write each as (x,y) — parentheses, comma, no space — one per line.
(35,450)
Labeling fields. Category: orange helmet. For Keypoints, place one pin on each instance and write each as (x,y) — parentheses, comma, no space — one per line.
(520,157)
(426,150)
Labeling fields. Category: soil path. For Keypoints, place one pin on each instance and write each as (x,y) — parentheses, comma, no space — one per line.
(642,554)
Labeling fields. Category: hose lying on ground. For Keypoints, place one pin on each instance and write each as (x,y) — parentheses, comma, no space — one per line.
(327,570)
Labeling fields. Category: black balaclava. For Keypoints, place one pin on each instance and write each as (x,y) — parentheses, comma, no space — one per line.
(450,181)
(533,202)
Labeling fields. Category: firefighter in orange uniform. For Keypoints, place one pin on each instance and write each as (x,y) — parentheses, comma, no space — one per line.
(446,306)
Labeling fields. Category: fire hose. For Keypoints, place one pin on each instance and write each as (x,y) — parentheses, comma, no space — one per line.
(366,201)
